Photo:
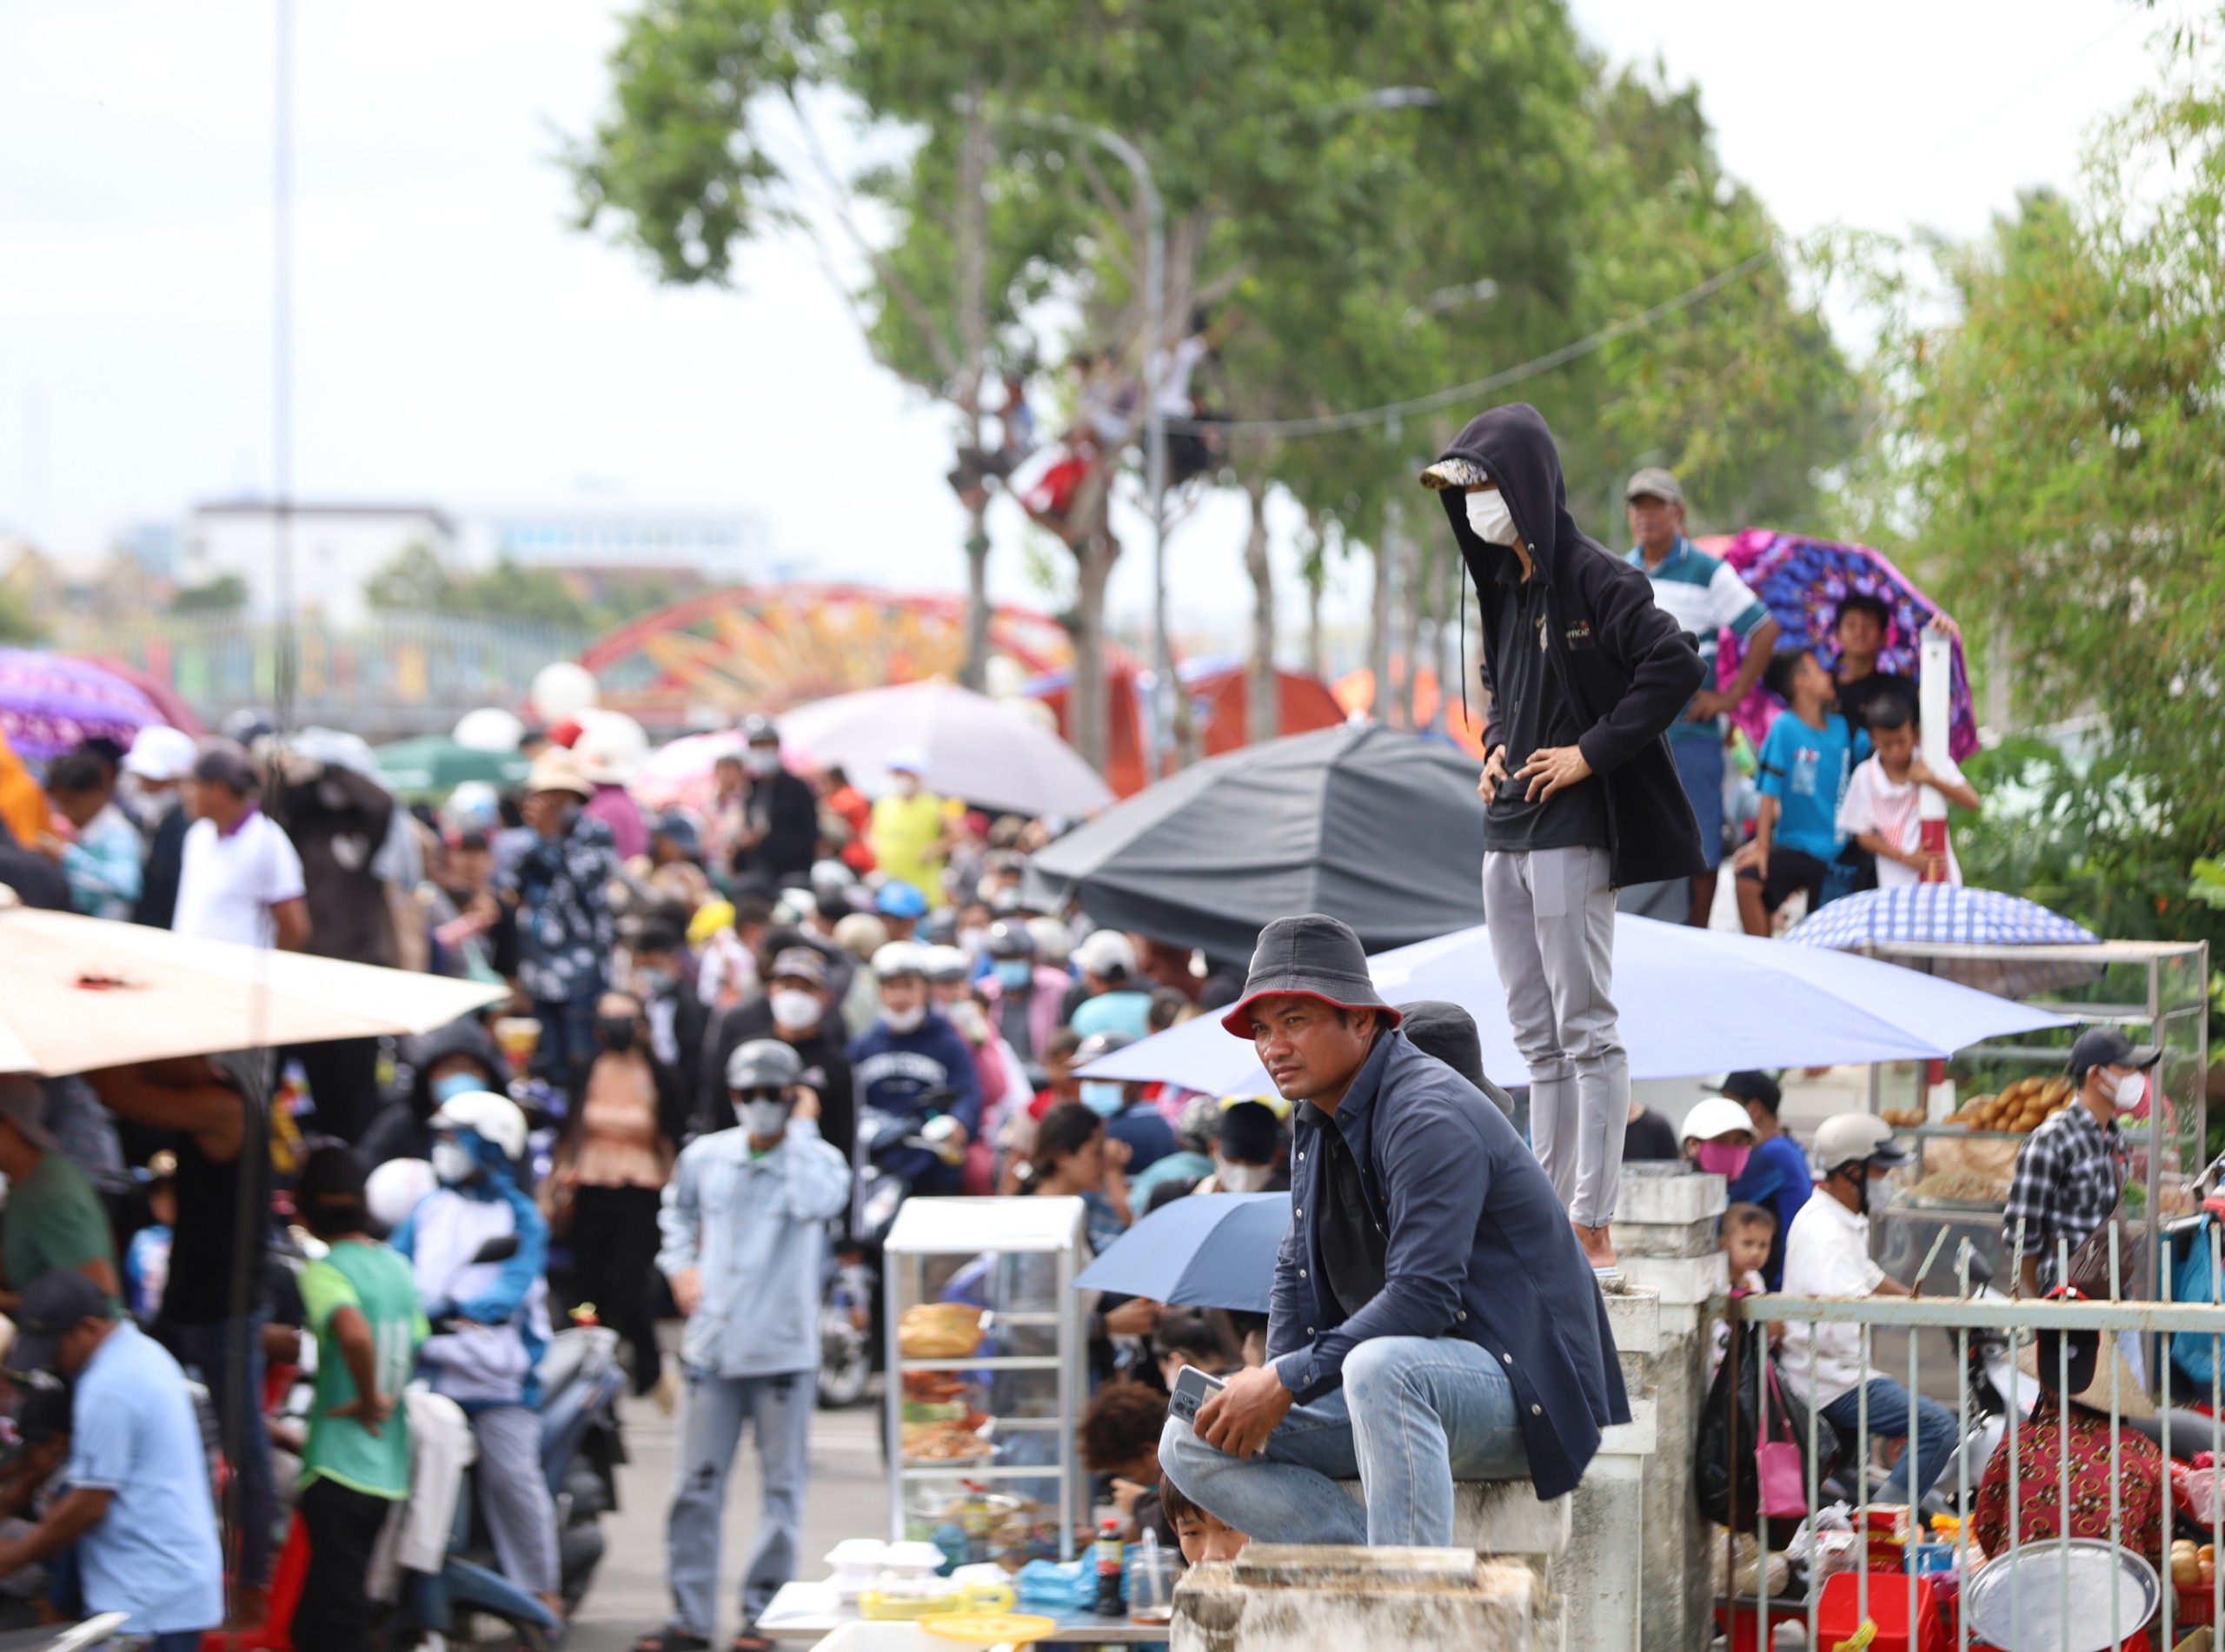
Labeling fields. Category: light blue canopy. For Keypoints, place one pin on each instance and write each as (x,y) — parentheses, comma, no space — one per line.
(1692,1002)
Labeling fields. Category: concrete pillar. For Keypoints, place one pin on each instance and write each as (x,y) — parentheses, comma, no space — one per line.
(1665,1236)
(1288,1598)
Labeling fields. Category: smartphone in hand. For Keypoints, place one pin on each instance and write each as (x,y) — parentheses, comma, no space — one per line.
(1192,1387)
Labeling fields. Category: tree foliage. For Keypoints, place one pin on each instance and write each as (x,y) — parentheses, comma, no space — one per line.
(2059,445)
(226,593)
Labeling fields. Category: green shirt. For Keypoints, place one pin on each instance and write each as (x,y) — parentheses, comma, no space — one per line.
(54,1220)
(378,1284)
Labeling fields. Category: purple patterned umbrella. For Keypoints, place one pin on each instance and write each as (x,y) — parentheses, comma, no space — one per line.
(1802,581)
(49,702)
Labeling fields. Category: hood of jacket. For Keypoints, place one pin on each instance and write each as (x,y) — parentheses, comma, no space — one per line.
(1512,447)
(464,1036)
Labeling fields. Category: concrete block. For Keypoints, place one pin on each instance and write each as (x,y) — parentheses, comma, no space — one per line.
(1499,1517)
(1664,1238)
(1667,1194)
(1636,1438)
(1281,1598)
(1602,1578)
(1678,1281)
(1634,1316)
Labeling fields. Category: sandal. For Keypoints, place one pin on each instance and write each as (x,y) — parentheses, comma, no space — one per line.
(671,1638)
(748,1642)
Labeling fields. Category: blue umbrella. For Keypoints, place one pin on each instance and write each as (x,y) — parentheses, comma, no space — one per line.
(1954,915)
(1692,1002)
(1207,1251)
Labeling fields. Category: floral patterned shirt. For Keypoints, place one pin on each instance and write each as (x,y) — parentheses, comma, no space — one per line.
(564,926)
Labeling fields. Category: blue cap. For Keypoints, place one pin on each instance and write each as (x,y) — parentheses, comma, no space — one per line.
(900,899)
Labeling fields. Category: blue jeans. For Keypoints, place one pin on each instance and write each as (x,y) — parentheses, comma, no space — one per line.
(1931,1451)
(778,1409)
(1415,1414)
(210,1351)
(567,1042)
(1699,765)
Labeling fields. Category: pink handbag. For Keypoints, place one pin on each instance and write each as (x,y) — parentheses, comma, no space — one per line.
(1782,1488)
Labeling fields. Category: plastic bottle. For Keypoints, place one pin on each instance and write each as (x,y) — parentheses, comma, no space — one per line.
(1109,1603)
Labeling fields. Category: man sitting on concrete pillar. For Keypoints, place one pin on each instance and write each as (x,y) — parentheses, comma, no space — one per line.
(1434,1316)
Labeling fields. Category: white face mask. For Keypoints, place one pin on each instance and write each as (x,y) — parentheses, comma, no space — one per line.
(763,1119)
(792,1010)
(972,1026)
(1880,1195)
(1243,1178)
(904,1020)
(1488,515)
(765,761)
(2131,1086)
(452,1165)
(908,785)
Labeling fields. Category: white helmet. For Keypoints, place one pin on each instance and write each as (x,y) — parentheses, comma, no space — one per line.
(497,1118)
(1847,1139)
(900,957)
(945,964)
(1106,953)
(1713,1119)
(396,1188)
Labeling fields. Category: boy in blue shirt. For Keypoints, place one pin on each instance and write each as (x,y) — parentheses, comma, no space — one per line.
(1805,761)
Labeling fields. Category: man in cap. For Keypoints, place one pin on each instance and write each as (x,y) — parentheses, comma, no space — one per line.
(744,1225)
(1827,1254)
(156,768)
(1432,1317)
(137,1513)
(777,837)
(1705,597)
(1586,675)
(909,834)
(239,878)
(797,1007)
(912,1063)
(561,882)
(1777,1172)
(55,1219)
(2070,1171)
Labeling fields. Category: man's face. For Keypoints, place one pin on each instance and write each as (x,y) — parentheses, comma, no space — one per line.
(79,807)
(1859,633)
(811,990)
(1758,1113)
(75,1349)
(727,773)
(1654,523)
(902,993)
(1308,1047)
(473,868)
(544,812)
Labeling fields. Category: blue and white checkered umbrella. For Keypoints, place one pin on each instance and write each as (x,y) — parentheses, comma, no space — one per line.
(1938,913)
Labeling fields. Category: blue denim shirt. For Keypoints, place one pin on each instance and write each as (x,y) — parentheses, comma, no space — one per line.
(755,1229)
(1476,1247)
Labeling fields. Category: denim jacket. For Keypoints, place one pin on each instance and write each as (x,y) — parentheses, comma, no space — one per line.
(1476,1247)
(755,1228)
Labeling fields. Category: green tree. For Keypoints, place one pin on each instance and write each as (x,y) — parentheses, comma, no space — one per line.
(226,593)
(2056,445)
(415,581)
(418,581)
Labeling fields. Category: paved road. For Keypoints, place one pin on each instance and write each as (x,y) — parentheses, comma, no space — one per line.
(846,1497)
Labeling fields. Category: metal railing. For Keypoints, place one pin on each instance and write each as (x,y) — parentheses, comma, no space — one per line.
(1978,1316)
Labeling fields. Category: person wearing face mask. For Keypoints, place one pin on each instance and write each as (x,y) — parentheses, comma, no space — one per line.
(446,1063)
(1024,993)
(491,1320)
(1717,1137)
(1248,1154)
(2070,1171)
(610,1170)
(911,835)
(1827,1254)
(744,1227)
(776,837)
(1584,674)
(1776,1176)
(1128,1118)
(908,1054)
(798,1009)
(997,1067)
(660,973)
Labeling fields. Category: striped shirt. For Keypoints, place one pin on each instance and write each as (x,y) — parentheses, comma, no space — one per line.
(1704,595)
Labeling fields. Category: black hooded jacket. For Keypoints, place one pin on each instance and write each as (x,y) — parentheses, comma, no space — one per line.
(399,1129)
(1626,667)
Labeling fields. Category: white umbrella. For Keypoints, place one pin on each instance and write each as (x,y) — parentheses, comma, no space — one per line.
(985,751)
(81,993)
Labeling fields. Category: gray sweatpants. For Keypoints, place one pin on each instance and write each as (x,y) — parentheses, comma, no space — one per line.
(1551,916)
(711,1421)
(513,1496)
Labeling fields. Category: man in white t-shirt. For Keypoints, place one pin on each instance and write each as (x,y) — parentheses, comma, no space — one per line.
(1880,808)
(240,879)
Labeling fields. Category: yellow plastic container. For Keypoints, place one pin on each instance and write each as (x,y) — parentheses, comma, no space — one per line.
(974,1599)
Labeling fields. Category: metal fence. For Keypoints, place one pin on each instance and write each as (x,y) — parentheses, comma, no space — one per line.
(2136,1341)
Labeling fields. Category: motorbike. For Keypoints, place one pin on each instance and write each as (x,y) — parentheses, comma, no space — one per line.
(56,1637)
(883,1158)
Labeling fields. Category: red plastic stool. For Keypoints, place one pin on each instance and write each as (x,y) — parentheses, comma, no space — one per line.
(1838,1615)
(1736,1620)
(275,1633)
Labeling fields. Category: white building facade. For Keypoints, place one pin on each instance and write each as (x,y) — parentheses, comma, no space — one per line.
(334,550)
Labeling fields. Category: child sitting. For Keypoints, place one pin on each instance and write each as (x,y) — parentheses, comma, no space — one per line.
(1804,761)
(1879,810)
(1203,1537)
(1744,1237)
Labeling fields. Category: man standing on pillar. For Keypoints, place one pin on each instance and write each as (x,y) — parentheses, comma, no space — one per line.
(1584,674)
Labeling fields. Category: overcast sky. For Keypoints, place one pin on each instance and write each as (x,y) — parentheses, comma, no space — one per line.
(457,342)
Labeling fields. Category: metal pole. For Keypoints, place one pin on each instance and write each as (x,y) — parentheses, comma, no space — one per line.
(281,372)
(1168,707)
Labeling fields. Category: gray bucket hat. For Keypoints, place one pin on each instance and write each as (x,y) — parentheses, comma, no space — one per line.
(1317,956)
(764,1064)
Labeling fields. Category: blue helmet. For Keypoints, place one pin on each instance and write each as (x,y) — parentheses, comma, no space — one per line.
(900,899)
